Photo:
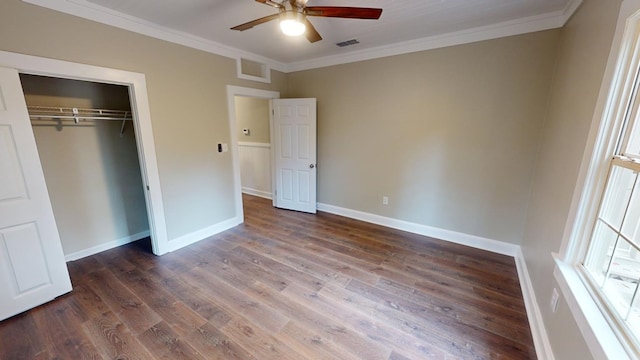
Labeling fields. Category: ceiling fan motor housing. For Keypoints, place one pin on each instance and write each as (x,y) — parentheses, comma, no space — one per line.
(296,16)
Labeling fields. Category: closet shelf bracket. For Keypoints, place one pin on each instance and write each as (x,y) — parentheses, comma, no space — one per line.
(124,122)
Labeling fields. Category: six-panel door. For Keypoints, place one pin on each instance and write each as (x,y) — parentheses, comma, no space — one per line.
(294,123)
(32,265)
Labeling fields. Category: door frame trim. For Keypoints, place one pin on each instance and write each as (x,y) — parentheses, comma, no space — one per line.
(136,82)
(232,92)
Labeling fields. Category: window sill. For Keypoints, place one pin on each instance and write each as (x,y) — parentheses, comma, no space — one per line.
(598,334)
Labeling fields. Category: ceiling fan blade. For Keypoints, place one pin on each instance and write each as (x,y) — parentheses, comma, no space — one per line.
(271,3)
(343,12)
(311,33)
(250,24)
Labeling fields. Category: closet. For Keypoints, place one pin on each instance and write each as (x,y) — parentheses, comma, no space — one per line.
(87,147)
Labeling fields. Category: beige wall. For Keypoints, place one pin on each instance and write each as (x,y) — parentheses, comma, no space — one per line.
(584,48)
(50,91)
(253,114)
(92,173)
(449,134)
(187,98)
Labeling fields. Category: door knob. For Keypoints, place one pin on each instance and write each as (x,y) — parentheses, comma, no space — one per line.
(311,166)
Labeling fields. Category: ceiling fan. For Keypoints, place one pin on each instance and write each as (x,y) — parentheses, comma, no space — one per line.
(293,16)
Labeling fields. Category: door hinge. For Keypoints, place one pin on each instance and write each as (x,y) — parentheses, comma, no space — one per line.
(147,187)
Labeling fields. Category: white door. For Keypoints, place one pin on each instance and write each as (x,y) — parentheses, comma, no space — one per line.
(294,125)
(32,265)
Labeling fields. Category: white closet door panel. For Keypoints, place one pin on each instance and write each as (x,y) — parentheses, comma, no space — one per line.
(22,247)
(12,184)
(32,266)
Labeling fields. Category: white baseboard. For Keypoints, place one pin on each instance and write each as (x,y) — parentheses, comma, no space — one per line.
(536,323)
(104,247)
(260,193)
(478,242)
(202,234)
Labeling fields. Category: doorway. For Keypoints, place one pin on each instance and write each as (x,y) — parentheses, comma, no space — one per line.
(246,93)
(254,145)
(293,135)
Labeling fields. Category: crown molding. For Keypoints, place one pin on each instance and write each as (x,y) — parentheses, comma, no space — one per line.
(87,10)
(514,27)
(570,9)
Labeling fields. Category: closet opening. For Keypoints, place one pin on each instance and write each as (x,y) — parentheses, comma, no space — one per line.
(88,150)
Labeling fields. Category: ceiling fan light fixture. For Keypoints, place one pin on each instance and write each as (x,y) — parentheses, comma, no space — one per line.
(291,24)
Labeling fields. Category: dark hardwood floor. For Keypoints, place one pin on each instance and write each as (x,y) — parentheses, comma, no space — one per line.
(284,285)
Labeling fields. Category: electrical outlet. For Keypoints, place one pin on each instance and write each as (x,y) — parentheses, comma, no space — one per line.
(554,300)
(385,200)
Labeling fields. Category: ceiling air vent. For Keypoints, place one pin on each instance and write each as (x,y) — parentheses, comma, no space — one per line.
(348,42)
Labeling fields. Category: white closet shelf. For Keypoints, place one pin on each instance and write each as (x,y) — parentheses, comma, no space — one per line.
(62,113)
(76,115)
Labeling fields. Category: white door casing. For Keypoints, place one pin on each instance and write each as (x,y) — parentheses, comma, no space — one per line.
(294,125)
(32,265)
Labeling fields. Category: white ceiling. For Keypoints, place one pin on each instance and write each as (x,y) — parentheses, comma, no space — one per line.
(405,25)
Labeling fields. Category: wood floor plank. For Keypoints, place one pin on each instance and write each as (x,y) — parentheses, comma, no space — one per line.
(310,344)
(460,312)
(89,303)
(112,338)
(241,272)
(324,326)
(198,302)
(182,319)
(284,285)
(340,304)
(428,332)
(81,267)
(261,344)
(129,307)
(285,271)
(504,284)
(236,301)
(164,343)
(289,256)
(209,340)
(13,342)
(296,257)
(68,341)
(472,333)
(342,266)
(179,261)
(114,260)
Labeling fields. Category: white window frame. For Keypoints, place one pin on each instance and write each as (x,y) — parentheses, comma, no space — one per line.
(602,333)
